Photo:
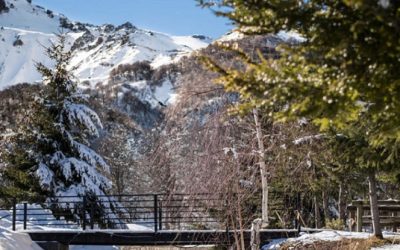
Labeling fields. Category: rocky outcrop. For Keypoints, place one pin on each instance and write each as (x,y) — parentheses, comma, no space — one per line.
(3,6)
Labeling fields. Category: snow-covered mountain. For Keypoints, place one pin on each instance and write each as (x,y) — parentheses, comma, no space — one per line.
(27,29)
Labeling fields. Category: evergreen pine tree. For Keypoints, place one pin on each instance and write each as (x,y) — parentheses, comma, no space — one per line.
(345,64)
(52,150)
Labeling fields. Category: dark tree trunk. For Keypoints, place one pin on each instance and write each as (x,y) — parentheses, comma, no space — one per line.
(373,198)
(325,204)
(316,213)
(342,202)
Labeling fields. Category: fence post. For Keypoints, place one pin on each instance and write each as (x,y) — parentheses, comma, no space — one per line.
(14,214)
(84,213)
(160,216)
(25,213)
(155,213)
(352,219)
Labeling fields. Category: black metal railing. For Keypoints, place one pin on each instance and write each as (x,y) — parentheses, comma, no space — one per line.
(135,212)
(141,212)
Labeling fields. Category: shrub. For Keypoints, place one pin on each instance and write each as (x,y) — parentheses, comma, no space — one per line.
(137,71)
(3,6)
(50,13)
(336,224)
(18,42)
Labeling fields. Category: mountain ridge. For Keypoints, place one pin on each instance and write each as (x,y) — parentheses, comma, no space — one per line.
(26,29)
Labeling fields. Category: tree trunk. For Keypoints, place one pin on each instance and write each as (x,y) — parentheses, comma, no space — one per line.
(325,204)
(263,167)
(373,198)
(341,203)
(255,234)
(316,212)
(239,211)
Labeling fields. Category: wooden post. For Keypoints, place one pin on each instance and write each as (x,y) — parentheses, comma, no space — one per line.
(352,220)
(255,234)
(360,212)
(394,214)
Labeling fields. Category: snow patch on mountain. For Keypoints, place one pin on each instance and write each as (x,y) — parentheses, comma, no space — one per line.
(26,16)
(26,30)
(231,36)
(191,42)
(17,62)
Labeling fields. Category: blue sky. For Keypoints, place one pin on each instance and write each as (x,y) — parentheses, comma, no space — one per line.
(176,17)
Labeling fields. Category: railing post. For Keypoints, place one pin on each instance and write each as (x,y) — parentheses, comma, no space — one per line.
(84,213)
(91,215)
(160,216)
(25,214)
(155,213)
(14,214)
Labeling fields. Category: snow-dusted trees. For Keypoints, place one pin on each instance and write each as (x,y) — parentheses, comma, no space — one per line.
(53,147)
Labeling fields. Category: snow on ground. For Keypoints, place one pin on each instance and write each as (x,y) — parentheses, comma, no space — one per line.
(387,247)
(36,216)
(10,240)
(274,244)
(328,235)
(165,93)
(136,227)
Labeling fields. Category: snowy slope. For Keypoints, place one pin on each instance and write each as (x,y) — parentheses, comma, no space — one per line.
(26,16)
(328,235)
(13,240)
(26,29)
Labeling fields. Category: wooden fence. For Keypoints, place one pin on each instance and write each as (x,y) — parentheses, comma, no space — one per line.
(360,214)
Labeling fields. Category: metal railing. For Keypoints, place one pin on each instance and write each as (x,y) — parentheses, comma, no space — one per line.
(143,212)
(135,212)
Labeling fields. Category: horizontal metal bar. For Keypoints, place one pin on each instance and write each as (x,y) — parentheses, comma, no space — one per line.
(50,226)
(49,219)
(190,221)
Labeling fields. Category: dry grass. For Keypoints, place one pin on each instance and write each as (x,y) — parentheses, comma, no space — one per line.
(345,244)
